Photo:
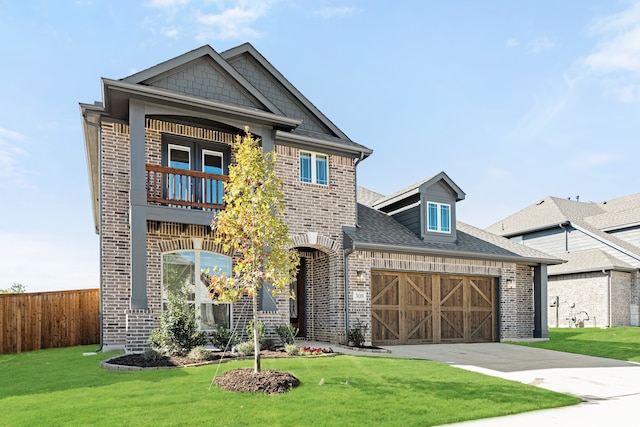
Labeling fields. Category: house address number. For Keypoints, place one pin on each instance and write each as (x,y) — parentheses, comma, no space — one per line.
(359,296)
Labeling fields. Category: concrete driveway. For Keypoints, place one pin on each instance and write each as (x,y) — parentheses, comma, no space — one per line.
(610,388)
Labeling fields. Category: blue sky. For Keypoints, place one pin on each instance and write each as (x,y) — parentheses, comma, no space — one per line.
(514,100)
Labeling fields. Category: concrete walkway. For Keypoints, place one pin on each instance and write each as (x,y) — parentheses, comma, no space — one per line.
(610,388)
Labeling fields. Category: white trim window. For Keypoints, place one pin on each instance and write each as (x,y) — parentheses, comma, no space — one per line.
(179,269)
(314,168)
(439,217)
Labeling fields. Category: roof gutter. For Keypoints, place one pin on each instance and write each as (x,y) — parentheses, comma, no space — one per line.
(455,254)
(313,143)
(531,230)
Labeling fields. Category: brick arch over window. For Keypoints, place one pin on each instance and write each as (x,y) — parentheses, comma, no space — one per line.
(316,241)
(184,244)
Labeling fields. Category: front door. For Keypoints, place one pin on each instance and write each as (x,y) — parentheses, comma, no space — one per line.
(296,306)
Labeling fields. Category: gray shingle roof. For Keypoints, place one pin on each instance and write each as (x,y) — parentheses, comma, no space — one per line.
(368,197)
(548,212)
(379,231)
(586,261)
(614,213)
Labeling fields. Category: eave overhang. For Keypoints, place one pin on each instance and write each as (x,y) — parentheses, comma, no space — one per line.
(116,95)
(315,144)
(456,254)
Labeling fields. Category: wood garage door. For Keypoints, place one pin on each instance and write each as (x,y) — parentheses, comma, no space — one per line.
(412,308)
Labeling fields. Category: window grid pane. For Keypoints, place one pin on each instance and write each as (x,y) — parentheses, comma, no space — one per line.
(445,219)
(432,217)
(321,169)
(305,167)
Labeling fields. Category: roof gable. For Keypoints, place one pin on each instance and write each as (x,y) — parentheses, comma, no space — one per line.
(441,179)
(546,213)
(250,63)
(205,74)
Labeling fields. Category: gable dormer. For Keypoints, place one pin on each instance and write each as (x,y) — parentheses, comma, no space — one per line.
(427,208)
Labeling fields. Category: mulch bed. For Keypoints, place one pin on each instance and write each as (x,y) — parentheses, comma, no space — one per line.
(265,381)
(239,380)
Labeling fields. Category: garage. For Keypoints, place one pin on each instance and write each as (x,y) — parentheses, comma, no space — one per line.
(418,308)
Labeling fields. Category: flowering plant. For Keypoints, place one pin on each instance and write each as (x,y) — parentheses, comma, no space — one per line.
(306,351)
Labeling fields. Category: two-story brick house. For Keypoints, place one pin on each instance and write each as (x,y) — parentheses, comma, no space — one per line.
(158,152)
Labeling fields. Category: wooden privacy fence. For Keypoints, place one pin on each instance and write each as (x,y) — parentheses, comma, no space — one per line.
(35,321)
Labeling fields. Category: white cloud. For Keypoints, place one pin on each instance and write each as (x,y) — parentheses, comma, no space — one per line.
(334,12)
(512,43)
(46,262)
(232,22)
(541,44)
(171,33)
(616,56)
(10,151)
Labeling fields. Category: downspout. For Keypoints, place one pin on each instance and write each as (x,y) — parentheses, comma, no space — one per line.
(349,251)
(608,296)
(355,182)
(101,303)
(566,238)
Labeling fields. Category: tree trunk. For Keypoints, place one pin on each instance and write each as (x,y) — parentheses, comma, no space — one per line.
(256,338)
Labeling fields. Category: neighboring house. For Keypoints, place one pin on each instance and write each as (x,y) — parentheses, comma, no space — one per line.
(158,153)
(598,286)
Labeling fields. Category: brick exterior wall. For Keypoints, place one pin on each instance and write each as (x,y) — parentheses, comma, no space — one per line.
(515,311)
(588,291)
(115,236)
(315,216)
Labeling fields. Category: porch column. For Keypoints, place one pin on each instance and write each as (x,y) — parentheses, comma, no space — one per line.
(138,204)
(541,324)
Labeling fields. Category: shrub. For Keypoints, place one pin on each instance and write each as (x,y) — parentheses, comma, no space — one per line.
(268,344)
(292,349)
(223,338)
(200,353)
(287,333)
(260,330)
(245,348)
(178,332)
(357,333)
(150,355)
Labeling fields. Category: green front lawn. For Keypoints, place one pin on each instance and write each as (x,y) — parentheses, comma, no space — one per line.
(622,343)
(63,387)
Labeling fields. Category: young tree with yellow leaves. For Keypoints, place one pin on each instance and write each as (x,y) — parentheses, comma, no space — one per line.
(251,226)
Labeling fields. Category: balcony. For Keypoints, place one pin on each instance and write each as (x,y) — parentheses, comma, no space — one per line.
(183,188)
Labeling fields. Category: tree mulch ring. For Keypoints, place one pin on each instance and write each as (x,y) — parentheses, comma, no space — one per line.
(166,361)
(265,381)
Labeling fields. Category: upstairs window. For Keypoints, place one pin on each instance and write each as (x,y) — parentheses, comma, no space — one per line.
(314,168)
(193,155)
(438,217)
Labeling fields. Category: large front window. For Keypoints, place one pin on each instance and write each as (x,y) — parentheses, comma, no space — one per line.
(187,268)
(438,217)
(314,168)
